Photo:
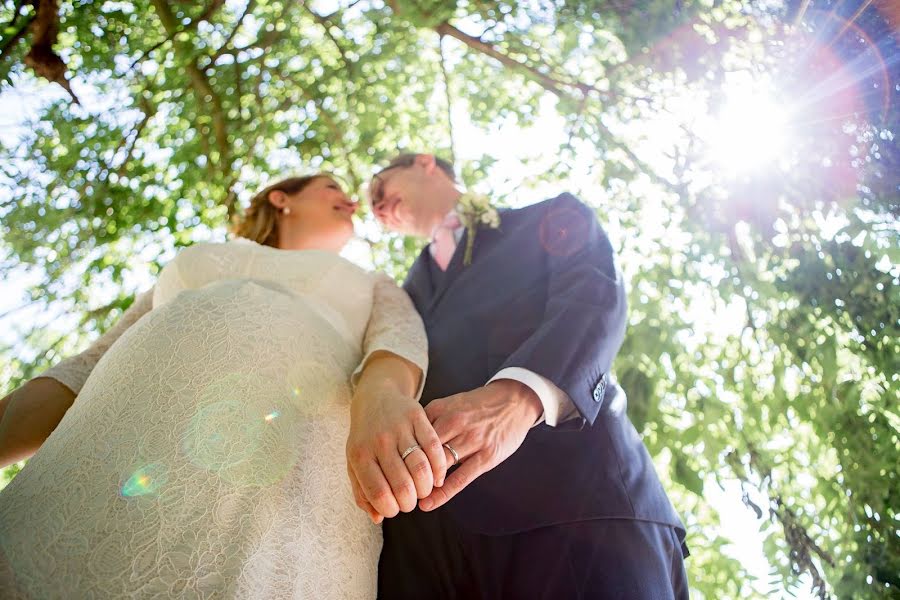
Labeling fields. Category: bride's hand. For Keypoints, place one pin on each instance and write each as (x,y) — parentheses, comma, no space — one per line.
(385,422)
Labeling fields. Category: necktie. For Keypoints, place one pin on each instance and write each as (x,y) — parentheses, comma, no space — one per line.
(443,241)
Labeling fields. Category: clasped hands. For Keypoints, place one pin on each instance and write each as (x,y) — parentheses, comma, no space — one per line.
(484,426)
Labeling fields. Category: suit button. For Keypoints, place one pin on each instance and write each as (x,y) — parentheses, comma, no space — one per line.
(600,390)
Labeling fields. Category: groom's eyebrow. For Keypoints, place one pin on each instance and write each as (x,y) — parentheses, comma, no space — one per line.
(377,185)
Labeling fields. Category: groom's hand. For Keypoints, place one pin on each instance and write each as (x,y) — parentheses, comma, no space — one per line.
(484,427)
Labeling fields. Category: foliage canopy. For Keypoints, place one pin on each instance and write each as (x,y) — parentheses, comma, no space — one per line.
(765,318)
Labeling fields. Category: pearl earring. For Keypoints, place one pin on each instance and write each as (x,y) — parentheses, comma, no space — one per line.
(286,210)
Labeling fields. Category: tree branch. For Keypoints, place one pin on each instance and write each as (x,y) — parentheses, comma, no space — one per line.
(251,4)
(42,58)
(14,39)
(52,348)
(136,134)
(548,82)
(214,6)
(20,307)
(263,42)
(449,97)
(154,48)
(638,163)
(336,131)
(340,10)
(211,10)
(202,88)
(326,26)
(17,9)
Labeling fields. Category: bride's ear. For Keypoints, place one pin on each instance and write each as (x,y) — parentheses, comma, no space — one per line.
(278,199)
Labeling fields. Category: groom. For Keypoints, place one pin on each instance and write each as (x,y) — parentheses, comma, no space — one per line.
(553,494)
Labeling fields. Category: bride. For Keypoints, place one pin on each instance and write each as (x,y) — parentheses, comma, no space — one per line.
(204,453)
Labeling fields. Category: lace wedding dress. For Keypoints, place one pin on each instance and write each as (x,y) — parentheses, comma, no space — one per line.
(204,454)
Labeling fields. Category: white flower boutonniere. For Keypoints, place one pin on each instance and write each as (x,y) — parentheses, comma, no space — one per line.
(474,210)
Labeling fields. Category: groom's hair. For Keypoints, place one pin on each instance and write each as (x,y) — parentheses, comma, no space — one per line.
(407,159)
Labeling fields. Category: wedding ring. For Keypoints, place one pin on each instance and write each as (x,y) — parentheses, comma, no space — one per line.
(453,452)
(409,451)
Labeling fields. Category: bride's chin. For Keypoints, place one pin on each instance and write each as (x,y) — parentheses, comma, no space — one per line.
(346,234)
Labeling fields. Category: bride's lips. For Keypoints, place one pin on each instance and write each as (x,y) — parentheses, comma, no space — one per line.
(346,209)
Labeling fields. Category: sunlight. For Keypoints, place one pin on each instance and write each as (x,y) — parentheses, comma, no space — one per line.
(749,132)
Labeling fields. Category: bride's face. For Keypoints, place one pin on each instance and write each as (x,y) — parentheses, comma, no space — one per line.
(322,211)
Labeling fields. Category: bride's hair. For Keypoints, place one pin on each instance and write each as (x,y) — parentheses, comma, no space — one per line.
(258,223)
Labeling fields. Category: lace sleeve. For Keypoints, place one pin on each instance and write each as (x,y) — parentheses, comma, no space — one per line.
(395,327)
(72,372)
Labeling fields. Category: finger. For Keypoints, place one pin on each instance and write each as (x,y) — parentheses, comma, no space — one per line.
(398,477)
(449,424)
(375,488)
(431,445)
(420,470)
(436,408)
(360,498)
(455,483)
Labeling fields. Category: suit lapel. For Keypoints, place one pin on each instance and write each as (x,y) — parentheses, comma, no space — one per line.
(418,282)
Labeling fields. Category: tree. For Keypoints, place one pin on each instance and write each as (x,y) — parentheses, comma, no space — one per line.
(186,109)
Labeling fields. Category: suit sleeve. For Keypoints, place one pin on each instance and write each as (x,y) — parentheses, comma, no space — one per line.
(558,407)
(584,320)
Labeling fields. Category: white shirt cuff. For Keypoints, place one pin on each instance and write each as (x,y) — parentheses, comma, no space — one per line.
(558,407)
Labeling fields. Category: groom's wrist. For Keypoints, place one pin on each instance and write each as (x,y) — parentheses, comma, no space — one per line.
(521,395)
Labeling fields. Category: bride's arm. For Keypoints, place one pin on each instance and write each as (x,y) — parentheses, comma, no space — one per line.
(28,415)
(385,415)
(388,372)
(31,412)
(394,330)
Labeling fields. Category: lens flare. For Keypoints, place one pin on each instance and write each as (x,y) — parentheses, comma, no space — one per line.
(749,132)
(244,429)
(145,481)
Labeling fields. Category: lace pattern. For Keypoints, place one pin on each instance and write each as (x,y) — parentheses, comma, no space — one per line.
(73,371)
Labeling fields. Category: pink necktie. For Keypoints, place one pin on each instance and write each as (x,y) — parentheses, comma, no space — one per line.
(443,241)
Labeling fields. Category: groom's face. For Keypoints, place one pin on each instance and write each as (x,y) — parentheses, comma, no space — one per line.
(399,198)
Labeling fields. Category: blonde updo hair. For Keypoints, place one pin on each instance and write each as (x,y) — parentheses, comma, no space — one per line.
(260,220)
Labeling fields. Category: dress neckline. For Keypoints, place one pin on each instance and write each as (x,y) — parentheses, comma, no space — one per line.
(265,248)
(307,253)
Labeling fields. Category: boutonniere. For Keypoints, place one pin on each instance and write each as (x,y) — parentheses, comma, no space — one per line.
(474,210)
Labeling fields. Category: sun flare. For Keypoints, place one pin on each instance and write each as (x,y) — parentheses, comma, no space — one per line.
(749,132)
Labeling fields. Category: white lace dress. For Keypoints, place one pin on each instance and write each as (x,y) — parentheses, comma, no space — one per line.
(204,454)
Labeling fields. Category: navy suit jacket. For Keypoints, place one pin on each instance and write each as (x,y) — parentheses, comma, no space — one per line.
(543,293)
